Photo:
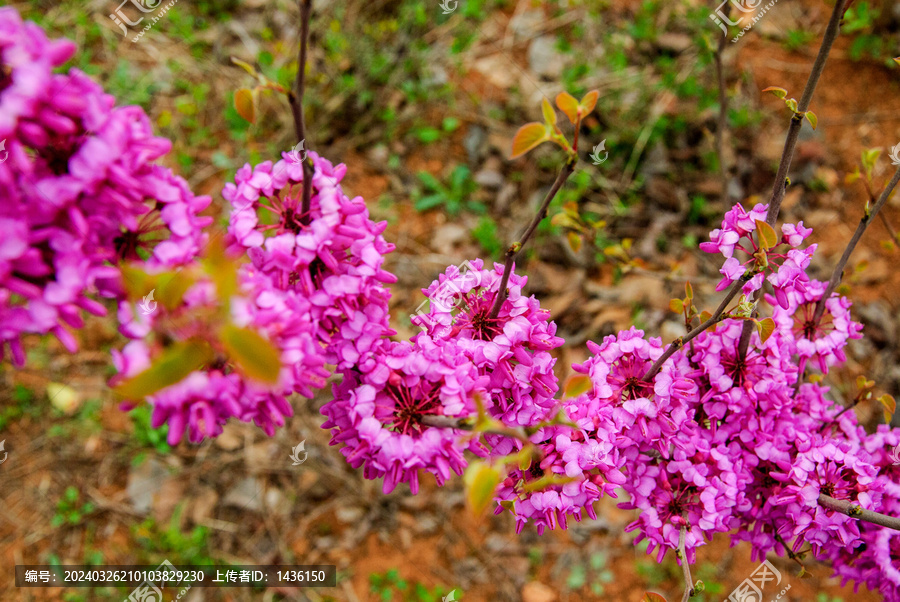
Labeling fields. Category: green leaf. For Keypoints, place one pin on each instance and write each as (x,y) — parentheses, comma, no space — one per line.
(529,136)
(890,406)
(766,327)
(244,104)
(813,120)
(222,269)
(253,354)
(481,481)
(574,241)
(588,102)
(429,180)
(427,135)
(576,385)
(705,315)
(568,105)
(676,306)
(779,92)
(792,104)
(549,113)
(172,287)
(245,66)
(170,367)
(766,233)
(688,290)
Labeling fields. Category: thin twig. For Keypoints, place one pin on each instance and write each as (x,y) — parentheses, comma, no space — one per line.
(295,97)
(717,317)
(685,567)
(860,229)
(723,113)
(516,247)
(466,424)
(854,510)
(831,33)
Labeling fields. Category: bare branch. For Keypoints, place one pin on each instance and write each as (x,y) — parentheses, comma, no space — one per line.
(854,511)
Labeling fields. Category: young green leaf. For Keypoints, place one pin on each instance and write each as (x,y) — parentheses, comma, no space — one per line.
(549,113)
(890,406)
(245,66)
(253,354)
(813,120)
(688,290)
(767,236)
(568,105)
(173,365)
(676,306)
(779,92)
(766,327)
(480,481)
(244,104)
(574,241)
(792,104)
(529,136)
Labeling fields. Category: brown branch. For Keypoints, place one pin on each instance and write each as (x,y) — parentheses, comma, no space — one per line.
(717,317)
(295,97)
(685,567)
(723,112)
(855,511)
(516,247)
(867,218)
(831,33)
(468,424)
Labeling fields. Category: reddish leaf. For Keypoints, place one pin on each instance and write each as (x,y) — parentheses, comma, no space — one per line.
(244,104)
(589,101)
(529,136)
(652,597)
(568,105)
(576,385)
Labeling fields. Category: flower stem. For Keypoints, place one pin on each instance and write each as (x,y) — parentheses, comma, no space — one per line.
(516,247)
(860,229)
(714,319)
(855,511)
(295,97)
(831,33)
(685,566)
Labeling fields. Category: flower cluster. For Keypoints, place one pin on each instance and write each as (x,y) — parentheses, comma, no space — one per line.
(330,254)
(83,191)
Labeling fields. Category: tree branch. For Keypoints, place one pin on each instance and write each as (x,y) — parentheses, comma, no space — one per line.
(831,33)
(717,317)
(867,218)
(516,247)
(854,511)
(295,98)
(685,567)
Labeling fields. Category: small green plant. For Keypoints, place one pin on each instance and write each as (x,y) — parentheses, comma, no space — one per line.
(389,586)
(69,510)
(488,237)
(593,574)
(145,434)
(190,547)
(454,196)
